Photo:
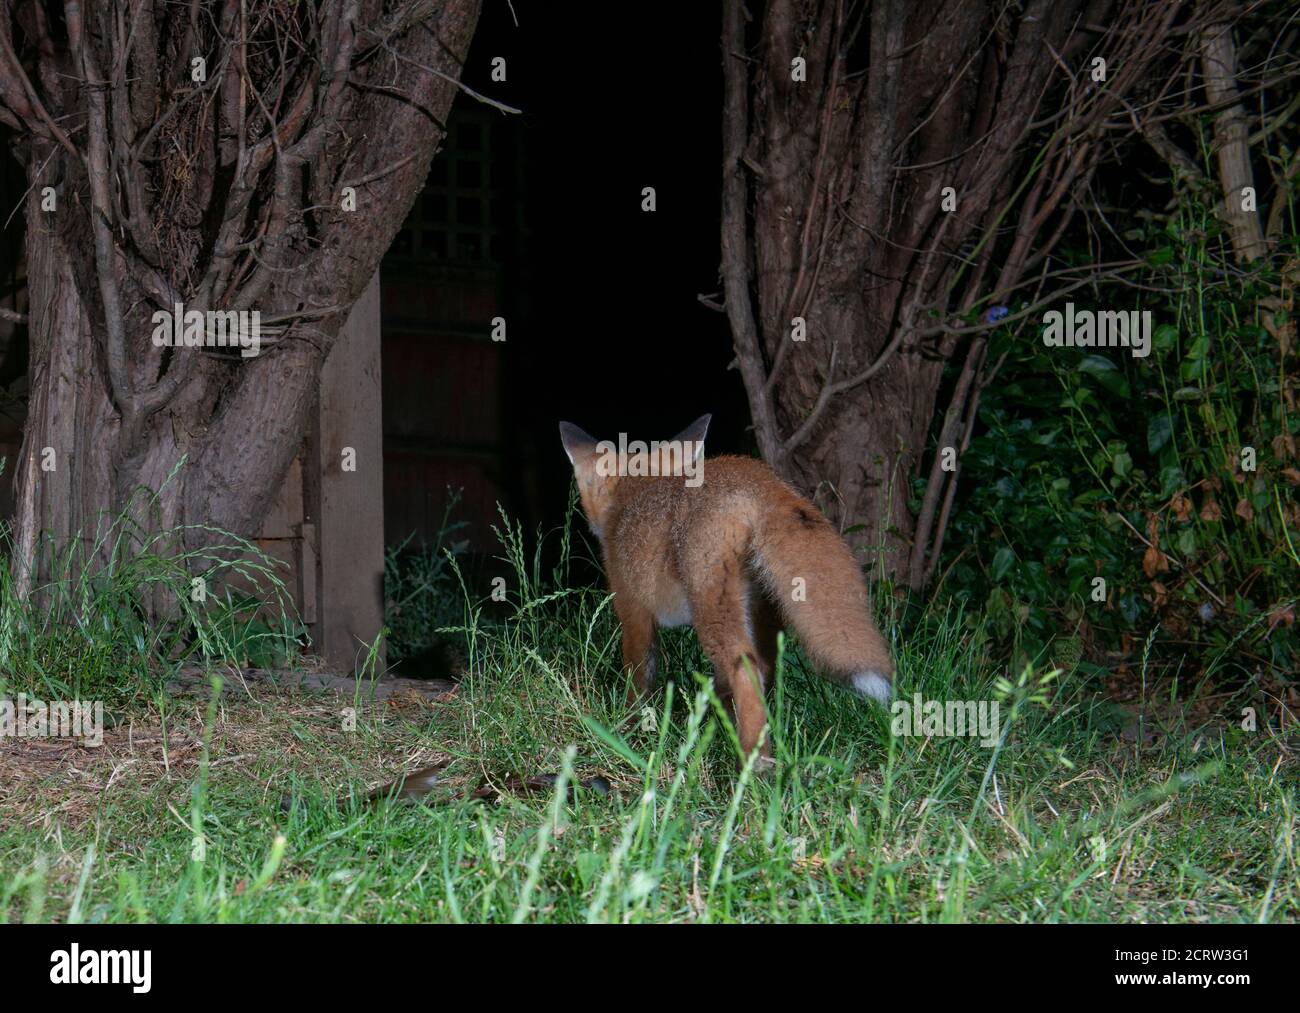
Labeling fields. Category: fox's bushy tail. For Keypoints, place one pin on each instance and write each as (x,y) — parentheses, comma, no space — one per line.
(818,586)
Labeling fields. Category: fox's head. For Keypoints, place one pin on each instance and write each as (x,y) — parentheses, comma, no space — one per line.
(598,466)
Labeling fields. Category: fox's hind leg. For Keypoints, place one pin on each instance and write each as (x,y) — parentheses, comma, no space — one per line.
(764,625)
(722,624)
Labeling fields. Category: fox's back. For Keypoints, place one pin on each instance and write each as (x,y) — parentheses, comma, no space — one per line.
(656,524)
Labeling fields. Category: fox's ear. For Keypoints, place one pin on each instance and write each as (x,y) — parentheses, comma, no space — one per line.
(695,433)
(576,441)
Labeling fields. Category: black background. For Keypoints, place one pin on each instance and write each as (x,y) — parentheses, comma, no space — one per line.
(614,99)
(387,963)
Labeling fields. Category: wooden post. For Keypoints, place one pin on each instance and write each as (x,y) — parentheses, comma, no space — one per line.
(345,510)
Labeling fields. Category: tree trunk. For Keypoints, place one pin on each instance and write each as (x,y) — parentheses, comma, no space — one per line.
(64,473)
(893,170)
(227,193)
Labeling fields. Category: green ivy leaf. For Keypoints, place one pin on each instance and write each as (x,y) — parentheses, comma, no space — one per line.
(1159,431)
(1002,561)
(1107,374)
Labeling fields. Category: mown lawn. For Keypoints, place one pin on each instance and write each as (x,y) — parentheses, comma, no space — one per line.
(1085,811)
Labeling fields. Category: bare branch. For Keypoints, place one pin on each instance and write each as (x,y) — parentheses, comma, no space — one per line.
(735,229)
(1231,133)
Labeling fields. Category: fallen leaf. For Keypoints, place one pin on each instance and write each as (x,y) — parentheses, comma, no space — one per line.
(1154,561)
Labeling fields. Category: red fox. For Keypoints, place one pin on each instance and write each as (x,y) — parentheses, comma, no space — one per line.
(727,547)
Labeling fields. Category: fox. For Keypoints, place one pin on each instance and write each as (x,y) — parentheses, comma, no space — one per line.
(724,545)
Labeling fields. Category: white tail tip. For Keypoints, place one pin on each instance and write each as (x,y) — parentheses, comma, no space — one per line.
(872,685)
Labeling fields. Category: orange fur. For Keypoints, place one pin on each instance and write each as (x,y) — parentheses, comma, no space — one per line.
(737,557)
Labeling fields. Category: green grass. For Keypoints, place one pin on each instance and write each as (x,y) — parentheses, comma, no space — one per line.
(117,611)
(1072,817)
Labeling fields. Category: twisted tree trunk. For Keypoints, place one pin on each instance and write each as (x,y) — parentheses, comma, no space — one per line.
(246,156)
(896,173)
